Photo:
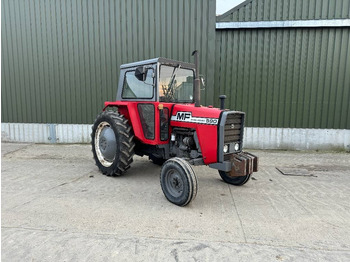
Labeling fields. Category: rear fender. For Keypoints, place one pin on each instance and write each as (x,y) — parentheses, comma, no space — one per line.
(130,112)
(122,109)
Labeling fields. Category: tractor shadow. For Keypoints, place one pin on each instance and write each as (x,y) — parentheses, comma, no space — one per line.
(142,168)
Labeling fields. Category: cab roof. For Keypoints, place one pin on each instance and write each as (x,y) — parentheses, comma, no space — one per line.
(161,60)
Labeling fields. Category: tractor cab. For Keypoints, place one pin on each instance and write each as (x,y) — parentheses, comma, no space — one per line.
(148,91)
(157,80)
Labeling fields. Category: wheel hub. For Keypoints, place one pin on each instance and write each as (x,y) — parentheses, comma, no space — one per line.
(103,143)
(175,183)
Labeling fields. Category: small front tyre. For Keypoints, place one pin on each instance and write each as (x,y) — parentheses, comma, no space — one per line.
(237,181)
(178,181)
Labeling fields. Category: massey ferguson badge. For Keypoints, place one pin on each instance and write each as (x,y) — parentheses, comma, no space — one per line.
(187,117)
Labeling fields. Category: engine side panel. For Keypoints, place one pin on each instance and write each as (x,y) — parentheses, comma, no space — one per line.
(205,121)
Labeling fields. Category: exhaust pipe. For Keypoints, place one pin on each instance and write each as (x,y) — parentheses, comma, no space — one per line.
(222,102)
(197,90)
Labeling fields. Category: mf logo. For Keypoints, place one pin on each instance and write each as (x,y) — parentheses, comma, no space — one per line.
(187,117)
(183,116)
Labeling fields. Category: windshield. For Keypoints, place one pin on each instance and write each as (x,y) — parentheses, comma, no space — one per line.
(175,84)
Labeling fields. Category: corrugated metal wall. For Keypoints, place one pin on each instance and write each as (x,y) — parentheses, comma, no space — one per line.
(277,10)
(60,59)
(290,77)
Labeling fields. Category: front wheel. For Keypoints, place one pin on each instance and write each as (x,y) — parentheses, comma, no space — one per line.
(237,180)
(178,181)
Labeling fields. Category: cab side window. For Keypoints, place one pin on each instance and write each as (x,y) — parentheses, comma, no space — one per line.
(136,89)
(146,112)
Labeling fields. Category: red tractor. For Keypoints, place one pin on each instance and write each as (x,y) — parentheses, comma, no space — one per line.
(158,113)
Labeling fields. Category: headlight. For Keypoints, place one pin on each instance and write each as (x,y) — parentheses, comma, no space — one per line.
(225,148)
(236,147)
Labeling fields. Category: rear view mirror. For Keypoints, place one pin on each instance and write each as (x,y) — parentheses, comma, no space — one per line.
(202,82)
(141,73)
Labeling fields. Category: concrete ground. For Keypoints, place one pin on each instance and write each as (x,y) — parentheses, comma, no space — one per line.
(56,206)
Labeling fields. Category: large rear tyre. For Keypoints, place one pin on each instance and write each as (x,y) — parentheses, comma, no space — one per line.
(178,181)
(112,143)
(237,181)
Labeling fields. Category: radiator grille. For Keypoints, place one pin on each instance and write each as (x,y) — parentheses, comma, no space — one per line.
(233,128)
(230,134)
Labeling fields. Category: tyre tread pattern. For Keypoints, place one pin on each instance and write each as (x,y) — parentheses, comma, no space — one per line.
(192,176)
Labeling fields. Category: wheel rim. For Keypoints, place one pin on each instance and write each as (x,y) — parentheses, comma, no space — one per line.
(174,183)
(105,144)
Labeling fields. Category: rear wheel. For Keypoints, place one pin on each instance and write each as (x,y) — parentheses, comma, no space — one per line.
(112,143)
(237,180)
(178,181)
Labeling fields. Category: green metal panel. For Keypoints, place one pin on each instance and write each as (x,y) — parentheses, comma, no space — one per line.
(290,77)
(60,59)
(296,78)
(277,10)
